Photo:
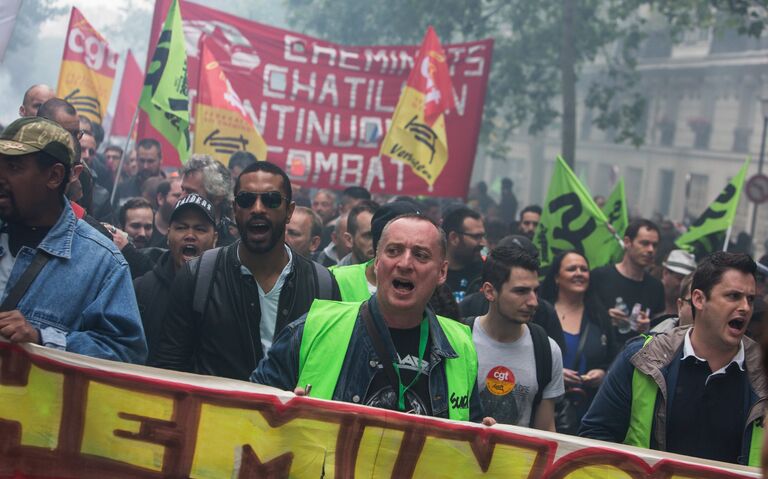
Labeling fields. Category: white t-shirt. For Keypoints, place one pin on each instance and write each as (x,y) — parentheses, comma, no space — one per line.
(506,376)
(268,302)
(6,262)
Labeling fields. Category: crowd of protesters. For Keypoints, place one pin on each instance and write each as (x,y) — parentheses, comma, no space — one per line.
(426,306)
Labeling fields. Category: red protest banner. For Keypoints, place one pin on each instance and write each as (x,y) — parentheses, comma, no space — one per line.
(66,415)
(324,108)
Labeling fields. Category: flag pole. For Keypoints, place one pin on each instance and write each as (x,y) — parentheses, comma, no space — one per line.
(727,238)
(125,154)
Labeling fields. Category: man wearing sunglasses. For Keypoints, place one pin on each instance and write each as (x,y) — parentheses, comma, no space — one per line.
(226,307)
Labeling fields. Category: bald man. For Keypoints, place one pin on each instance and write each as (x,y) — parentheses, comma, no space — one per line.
(35,96)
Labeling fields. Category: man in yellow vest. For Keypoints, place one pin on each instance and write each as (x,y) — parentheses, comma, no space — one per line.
(357,282)
(391,351)
(697,391)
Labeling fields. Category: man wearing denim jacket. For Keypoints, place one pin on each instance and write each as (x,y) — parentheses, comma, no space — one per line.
(82,300)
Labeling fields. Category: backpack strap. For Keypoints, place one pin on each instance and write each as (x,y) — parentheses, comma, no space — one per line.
(22,285)
(324,281)
(205,267)
(542,354)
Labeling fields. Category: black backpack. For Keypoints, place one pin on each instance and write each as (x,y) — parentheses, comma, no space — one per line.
(542,355)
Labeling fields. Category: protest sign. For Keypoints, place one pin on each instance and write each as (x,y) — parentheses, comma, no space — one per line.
(66,415)
(87,69)
(324,108)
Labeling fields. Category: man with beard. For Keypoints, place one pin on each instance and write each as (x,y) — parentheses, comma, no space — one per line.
(168,194)
(149,160)
(520,369)
(136,219)
(191,232)
(227,306)
(466,239)
(40,234)
(529,220)
(630,281)
(358,236)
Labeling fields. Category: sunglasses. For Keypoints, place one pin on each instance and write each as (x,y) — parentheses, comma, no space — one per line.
(270,199)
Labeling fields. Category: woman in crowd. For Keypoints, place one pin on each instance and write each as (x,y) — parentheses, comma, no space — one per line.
(587,335)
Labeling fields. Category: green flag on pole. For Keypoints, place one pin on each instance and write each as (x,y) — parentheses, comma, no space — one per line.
(165,96)
(708,233)
(571,220)
(615,210)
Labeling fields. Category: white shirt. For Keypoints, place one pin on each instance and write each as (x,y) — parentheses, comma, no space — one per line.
(268,302)
(6,262)
(688,352)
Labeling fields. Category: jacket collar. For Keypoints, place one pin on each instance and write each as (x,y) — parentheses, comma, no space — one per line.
(440,345)
(58,241)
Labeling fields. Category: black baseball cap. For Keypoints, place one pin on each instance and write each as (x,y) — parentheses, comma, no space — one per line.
(197,202)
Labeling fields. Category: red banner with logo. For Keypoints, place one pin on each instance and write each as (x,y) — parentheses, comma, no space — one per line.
(324,108)
(87,69)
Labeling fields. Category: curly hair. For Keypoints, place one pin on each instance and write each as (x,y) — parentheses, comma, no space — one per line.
(217,180)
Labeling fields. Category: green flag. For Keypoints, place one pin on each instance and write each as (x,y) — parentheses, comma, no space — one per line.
(165,96)
(707,233)
(571,220)
(615,210)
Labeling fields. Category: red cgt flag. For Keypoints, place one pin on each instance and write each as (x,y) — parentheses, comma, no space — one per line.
(128,100)
(417,136)
(222,125)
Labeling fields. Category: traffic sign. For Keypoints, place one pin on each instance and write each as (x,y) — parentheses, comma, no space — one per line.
(757,188)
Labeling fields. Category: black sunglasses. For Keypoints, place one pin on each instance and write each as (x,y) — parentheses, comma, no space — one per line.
(270,199)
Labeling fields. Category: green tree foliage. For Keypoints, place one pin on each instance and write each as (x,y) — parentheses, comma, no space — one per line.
(540,52)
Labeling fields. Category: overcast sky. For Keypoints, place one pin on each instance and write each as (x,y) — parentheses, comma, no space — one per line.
(124,23)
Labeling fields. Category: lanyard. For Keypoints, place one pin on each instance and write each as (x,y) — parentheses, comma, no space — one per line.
(423,335)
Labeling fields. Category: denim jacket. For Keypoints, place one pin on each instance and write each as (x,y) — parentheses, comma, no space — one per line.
(82,301)
(280,368)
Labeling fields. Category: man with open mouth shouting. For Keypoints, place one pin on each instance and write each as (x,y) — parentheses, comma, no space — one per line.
(697,391)
(226,306)
(191,231)
(390,351)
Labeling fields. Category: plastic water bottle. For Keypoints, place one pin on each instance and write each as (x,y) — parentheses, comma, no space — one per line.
(623,327)
(459,295)
(633,317)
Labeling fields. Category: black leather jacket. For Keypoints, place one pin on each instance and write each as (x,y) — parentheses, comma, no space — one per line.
(225,340)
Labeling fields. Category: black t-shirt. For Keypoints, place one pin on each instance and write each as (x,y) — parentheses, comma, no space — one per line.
(466,279)
(707,417)
(609,284)
(21,235)
(381,393)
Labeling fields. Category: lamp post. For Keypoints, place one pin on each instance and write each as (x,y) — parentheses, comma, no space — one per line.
(764,111)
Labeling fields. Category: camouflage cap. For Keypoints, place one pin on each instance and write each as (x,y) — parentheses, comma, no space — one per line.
(32,134)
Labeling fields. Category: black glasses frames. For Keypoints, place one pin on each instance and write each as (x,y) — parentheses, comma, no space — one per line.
(270,199)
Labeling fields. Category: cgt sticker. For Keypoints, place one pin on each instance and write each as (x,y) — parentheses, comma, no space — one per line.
(500,381)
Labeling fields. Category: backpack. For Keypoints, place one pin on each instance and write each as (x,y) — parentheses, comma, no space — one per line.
(542,355)
(207,264)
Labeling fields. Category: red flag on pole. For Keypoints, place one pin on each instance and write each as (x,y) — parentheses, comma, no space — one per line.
(222,125)
(128,100)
